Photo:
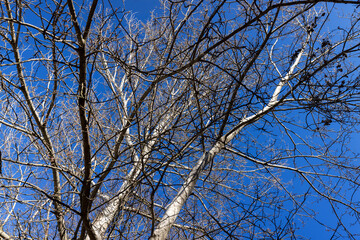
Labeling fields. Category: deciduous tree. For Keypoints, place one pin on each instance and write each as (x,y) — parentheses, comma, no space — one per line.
(209,120)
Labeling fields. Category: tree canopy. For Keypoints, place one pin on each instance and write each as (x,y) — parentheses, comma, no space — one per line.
(223,119)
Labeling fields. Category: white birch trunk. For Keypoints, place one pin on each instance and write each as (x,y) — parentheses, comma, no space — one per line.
(173,210)
(106,216)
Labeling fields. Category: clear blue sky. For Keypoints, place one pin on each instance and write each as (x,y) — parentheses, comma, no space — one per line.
(311,229)
(141,8)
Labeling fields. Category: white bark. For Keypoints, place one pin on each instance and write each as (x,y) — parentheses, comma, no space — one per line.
(176,205)
(4,235)
(104,219)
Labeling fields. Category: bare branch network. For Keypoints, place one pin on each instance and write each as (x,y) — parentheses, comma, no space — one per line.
(208,120)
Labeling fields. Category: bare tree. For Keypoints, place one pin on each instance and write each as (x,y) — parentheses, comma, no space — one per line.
(209,120)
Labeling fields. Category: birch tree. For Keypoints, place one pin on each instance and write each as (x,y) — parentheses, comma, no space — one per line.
(208,120)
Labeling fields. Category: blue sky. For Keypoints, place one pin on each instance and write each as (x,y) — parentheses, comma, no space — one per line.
(141,8)
(311,229)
